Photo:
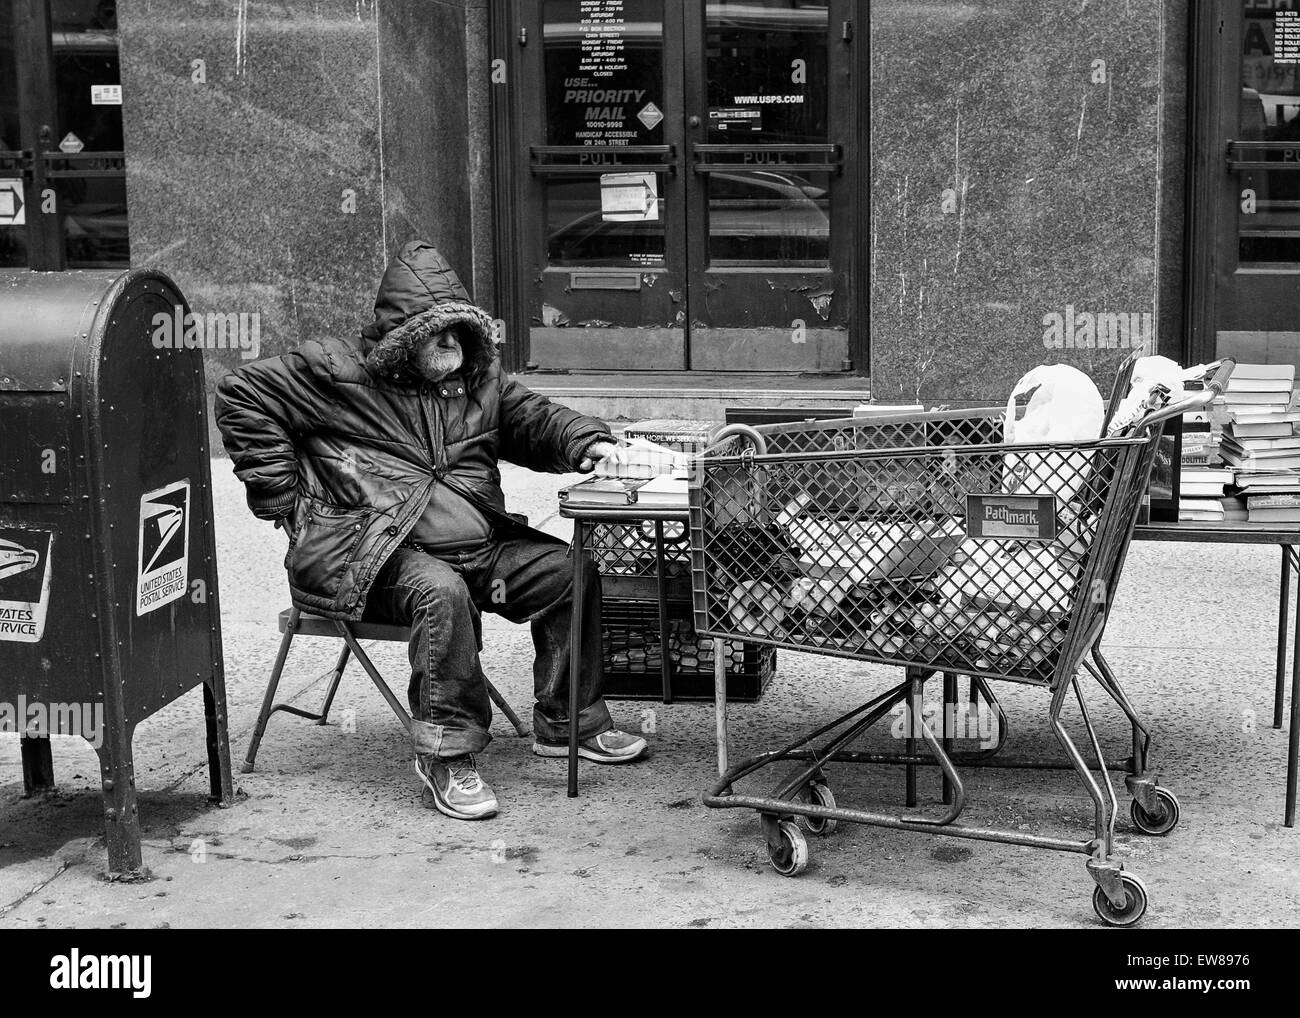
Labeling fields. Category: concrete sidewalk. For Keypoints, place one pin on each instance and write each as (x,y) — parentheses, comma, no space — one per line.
(333,831)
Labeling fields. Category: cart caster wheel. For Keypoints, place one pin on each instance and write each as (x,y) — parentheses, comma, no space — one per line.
(792,858)
(820,794)
(1135,904)
(1161,822)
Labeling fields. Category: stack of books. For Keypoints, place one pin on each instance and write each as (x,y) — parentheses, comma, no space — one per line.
(1270,496)
(1202,495)
(1262,413)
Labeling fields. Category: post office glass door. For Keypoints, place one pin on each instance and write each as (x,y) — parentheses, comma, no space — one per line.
(1257,239)
(686,162)
(62,166)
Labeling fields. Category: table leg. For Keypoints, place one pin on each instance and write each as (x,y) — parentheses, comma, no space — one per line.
(720,699)
(1283,606)
(1293,743)
(665,643)
(575,651)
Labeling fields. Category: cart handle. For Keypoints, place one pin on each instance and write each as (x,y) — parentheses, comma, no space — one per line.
(1214,387)
(756,440)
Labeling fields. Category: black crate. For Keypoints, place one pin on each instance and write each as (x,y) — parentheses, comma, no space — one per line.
(630,643)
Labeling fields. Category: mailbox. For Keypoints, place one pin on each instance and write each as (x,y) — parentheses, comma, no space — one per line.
(109,607)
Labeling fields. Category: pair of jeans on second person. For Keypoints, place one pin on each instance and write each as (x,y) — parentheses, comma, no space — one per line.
(440,597)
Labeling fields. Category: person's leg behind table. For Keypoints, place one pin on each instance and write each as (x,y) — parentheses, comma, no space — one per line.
(531,579)
(448,694)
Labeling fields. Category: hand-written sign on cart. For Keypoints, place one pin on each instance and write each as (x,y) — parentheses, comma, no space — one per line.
(1011,517)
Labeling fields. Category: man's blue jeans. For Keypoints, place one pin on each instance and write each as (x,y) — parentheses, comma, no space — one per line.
(440,598)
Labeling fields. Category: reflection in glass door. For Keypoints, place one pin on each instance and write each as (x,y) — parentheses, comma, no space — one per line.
(768,273)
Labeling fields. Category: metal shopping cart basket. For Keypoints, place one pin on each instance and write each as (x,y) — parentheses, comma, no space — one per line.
(922,540)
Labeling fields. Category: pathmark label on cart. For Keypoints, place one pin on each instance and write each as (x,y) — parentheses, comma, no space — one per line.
(24,583)
(164,555)
(1011,517)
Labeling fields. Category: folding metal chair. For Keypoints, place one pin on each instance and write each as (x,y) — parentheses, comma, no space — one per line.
(297,623)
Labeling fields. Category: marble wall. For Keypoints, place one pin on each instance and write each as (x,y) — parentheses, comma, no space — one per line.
(1013,176)
(279,152)
(1027,162)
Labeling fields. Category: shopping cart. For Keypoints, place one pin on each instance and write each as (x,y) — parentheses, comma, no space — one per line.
(923,540)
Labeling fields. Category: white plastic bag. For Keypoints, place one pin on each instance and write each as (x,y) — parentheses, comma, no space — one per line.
(1148,374)
(1064,406)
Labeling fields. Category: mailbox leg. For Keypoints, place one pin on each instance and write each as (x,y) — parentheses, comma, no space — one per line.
(38,766)
(121,811)
(214,712)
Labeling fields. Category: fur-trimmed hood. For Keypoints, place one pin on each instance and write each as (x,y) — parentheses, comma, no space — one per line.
(420,295)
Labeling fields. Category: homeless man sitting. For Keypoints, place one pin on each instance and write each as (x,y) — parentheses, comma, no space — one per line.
(379,457)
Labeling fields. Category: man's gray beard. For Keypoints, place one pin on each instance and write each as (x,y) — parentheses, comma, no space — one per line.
(437,363)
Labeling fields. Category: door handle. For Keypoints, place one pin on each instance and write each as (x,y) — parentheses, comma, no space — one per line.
(693,121)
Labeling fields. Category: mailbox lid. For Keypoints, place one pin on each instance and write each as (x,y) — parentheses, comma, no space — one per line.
(44,317)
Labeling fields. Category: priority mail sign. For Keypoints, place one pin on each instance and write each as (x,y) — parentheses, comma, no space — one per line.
(162,574)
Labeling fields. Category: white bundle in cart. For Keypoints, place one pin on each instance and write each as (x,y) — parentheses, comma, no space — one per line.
(1064,406)
(860,552)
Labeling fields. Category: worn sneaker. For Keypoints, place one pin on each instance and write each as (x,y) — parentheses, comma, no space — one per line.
(457,789)
(611,747)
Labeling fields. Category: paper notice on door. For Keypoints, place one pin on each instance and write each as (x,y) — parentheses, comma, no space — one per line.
(629,197)
(106,95)
(1286,37)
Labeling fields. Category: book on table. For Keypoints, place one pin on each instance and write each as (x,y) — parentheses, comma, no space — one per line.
(1277,502)
(1254,482)
(604,491)
(662,492)
(1203,482)
(1263,372)
(1275,515)
(1236,386)
(1268,426)
(1256,399)
(1200,510)
(1270,459)
(1249,444)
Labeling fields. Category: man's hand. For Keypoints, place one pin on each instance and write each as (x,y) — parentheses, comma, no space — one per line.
(288,524)
(603,451)
(632,458)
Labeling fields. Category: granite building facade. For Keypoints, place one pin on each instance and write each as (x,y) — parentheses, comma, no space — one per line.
(928,196)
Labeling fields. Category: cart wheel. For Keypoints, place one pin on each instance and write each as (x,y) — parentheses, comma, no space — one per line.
(1164,820)
(1135,903)
(821,795)
(792,858)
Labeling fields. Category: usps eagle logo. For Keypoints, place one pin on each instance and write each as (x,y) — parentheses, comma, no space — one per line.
(15,559)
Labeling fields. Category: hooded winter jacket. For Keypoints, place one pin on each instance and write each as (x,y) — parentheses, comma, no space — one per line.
(347,441)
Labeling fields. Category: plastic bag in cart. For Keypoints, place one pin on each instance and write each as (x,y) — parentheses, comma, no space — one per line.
(1064,406)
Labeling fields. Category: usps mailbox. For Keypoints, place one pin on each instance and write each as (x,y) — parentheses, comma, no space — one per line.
(109,607)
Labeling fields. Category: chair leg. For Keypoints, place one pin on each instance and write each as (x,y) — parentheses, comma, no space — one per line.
(342,663)
(268,701)
(520,729)
(364,659)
